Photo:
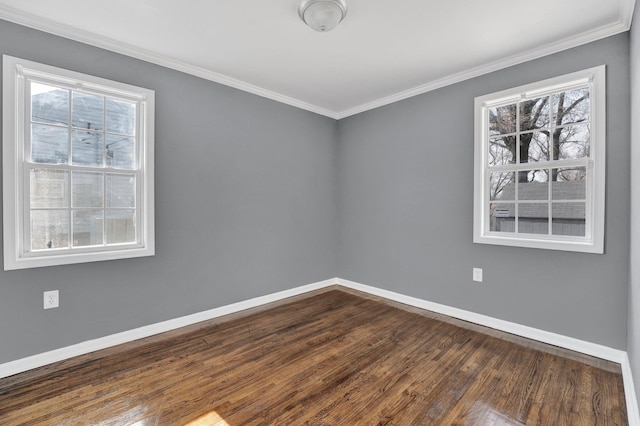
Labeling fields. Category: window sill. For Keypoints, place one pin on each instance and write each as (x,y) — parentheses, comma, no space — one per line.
(581,246)
(26,262)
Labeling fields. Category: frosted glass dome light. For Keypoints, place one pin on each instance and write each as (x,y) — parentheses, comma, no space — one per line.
(322,15)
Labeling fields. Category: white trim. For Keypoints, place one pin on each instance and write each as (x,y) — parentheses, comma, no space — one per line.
(593,242)
(566,342)
(39,360)
(16,73)
(633,414)
(529,55)
(593,349)
(9,162)
(588,348)
(66,31)
(626,14)
(43,24)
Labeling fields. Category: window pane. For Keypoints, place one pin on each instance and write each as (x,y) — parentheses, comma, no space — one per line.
(502,217)
(87,227)
(120,152)
(87,148)
(48,188)
(571,174)
(536,186)
(569,183)
(49,144)
(533,218)
(574,142)
(87,189)
(88,111)
(534,114)
(121,226)
(121,191)
(569,219)
(502,120)
(49,104)
(49,229)
(121,117)
(571,106)
(535,147)
(502,150)
(502,187)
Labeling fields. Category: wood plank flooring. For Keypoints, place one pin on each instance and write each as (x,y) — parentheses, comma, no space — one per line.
(333,358)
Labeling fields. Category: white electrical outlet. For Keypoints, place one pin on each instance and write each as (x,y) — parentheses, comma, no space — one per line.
(477,274)
(51,299)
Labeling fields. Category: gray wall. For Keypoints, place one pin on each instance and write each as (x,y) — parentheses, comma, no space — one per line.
(253,197)
(633,327)
(245,206)
(406,204)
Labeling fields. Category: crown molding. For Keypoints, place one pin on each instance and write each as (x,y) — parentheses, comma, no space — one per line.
(623,24)
(82,36)
(626,12)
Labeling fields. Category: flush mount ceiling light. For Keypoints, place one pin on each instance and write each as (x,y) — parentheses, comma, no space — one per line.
(322,15)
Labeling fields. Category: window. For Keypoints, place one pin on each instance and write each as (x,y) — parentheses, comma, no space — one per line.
(540,164)
(77,167)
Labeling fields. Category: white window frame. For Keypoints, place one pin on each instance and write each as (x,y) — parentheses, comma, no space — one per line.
(16,134)
(593,241)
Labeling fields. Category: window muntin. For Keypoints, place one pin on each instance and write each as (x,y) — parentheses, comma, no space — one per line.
(79,170)
(80,143)
(539,164)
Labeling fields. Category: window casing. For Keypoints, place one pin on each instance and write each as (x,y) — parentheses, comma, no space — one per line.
(77,167)
(539,164)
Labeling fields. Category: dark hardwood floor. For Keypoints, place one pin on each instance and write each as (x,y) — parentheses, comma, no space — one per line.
(334,358)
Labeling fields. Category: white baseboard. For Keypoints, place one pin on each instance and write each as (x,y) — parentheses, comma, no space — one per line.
(600,351)
(42,359)
(577,345)
(633,413)
(543,336)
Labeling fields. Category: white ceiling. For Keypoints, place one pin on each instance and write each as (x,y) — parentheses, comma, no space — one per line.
(384,50)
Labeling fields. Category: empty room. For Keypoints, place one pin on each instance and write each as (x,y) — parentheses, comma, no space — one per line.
(320,212)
